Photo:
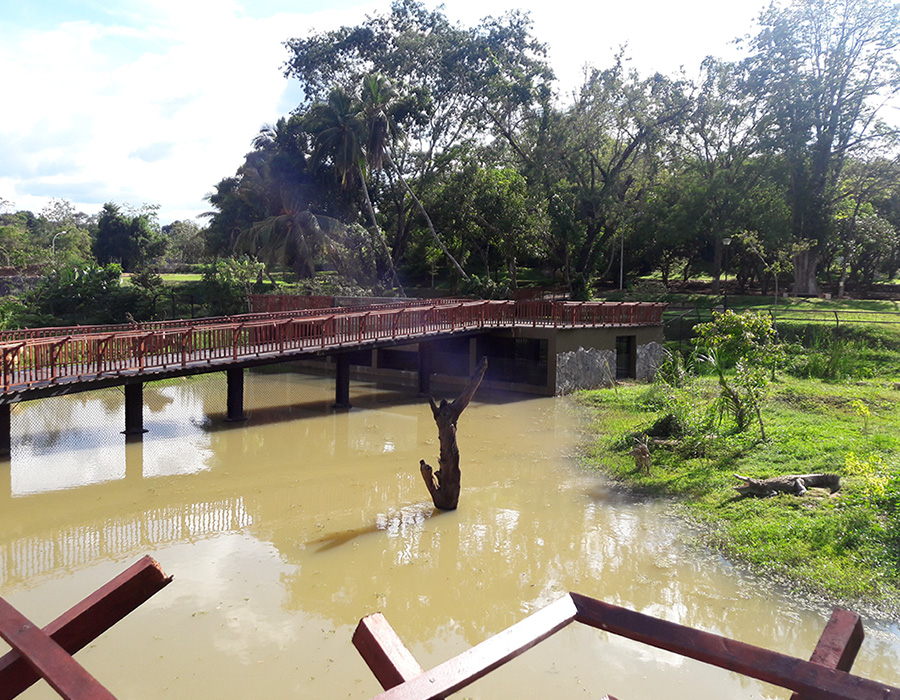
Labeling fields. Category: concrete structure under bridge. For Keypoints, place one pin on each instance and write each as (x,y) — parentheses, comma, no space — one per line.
(537,347)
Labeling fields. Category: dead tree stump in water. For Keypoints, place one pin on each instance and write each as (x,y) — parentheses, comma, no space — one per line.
(443,485)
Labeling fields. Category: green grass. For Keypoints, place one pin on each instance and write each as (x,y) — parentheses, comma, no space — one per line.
(181,277)
(844,546)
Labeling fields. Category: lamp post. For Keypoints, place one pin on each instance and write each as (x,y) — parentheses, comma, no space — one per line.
(840,262)
(622,262)
(727,243)
(53,243)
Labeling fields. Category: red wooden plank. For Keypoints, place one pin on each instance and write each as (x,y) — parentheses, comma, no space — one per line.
(839,643)
(813,681)
(483,658)
(49,659)
(87,620)
(384,652)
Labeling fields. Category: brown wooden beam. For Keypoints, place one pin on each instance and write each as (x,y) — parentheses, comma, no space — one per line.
(839,643)
(87,620)
(824,677)
(384,652)
(812,681)
(50,660)
(483,658)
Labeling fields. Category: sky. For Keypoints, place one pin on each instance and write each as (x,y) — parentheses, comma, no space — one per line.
(154,101)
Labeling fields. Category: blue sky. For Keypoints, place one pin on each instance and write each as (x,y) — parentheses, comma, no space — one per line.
(155,101)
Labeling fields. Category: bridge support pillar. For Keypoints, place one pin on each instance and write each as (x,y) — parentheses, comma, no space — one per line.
(342,381)
(5,429)
(235,395)
(425,360)
(134,408)
(134,458)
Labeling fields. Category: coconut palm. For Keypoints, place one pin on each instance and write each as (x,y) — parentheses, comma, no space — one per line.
(295,237)
(381,106)
(340,132)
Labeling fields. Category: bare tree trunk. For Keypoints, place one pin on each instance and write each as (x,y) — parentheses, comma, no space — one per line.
(379,234)
(424,213)
(805,263)
(796,484)
(444,484)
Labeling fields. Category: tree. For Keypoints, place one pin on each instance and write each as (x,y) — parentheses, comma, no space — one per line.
(749,341)
(380,110)
(130,241)
(458,84)
(824,68)
(276,170)
(185,242)
(600,159)
(342,132)
(443,485)
(493,215)
(723,158)
(85,294)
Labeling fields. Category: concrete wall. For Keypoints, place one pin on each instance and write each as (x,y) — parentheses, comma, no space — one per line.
(576,358)
(592,363)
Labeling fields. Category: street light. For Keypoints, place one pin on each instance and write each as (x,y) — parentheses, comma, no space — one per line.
(53,243)
(727,243)
(840,262)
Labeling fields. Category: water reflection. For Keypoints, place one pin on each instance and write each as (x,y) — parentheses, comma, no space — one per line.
(283,532)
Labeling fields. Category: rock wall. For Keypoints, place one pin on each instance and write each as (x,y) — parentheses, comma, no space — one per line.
(584,369)
(649,358)
(592,368)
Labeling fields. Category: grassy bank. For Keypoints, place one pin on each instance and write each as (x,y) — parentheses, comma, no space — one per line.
(844,545)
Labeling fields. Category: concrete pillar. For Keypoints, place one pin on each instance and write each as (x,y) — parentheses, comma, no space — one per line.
(235,410)
(342,381)
(5,429)
(426,355)
(134,408)
(134,457)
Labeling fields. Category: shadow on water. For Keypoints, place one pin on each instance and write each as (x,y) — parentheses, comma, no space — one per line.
(375,400)
(407,516)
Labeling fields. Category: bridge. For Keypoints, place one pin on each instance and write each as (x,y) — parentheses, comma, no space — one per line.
(41,362)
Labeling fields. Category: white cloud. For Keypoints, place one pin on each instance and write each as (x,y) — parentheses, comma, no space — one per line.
(90,109)
(162,102)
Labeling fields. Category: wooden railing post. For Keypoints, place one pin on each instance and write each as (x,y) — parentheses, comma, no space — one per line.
(54,355)
(102,345)
(235,335)
(362,325)
(82,624)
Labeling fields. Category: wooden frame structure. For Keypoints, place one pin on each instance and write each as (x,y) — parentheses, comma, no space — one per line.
(824,677)
(47,653)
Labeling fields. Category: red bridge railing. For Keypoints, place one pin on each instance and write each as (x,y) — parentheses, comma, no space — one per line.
(85,353)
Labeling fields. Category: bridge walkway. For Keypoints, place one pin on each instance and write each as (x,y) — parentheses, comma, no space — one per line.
(41,362)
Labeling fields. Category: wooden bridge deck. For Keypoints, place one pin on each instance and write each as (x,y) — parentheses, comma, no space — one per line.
(34,359)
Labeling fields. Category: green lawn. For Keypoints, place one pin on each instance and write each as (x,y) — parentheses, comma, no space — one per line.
(845,545)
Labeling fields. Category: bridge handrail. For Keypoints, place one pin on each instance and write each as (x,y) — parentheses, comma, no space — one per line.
(47,359)
(57,331)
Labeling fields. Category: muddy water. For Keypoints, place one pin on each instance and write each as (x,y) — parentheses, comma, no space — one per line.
(282,532)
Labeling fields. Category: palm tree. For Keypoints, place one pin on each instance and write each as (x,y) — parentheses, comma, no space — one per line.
(295,237)
(340,133)
(380,102)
